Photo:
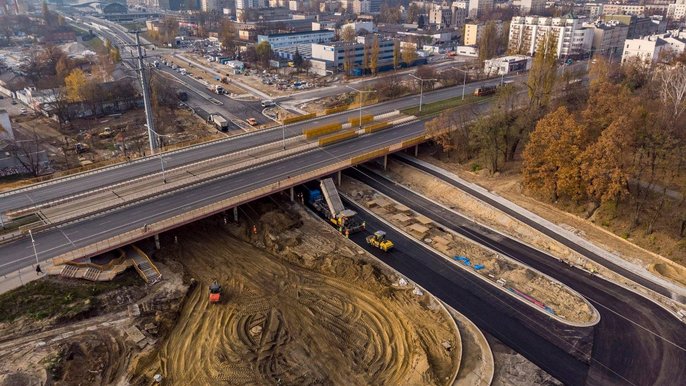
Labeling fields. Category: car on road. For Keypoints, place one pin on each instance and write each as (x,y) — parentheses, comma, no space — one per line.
(252,121)
(267,103)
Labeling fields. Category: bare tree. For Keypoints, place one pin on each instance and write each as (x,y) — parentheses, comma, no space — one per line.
(30,156)
(672,83)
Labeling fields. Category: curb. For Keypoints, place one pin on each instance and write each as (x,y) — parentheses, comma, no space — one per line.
(595,314)
(439,301)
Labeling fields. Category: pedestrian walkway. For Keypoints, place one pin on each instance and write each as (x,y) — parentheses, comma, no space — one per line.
(25,275)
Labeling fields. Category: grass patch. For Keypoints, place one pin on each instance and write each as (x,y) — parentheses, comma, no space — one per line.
(51,297)
(13,225)
(97,45)
(438,106)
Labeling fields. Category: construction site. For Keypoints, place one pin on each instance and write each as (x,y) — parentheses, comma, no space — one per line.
(268,294)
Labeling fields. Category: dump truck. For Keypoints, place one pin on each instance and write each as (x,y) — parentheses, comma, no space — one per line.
(379,240)
(327,202)
(215,292)
(219,121)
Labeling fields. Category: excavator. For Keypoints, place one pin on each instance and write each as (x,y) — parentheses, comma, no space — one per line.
(378,240)
(215,292)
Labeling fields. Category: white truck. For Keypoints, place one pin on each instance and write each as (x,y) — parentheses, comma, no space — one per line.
(219,121)
(218,89)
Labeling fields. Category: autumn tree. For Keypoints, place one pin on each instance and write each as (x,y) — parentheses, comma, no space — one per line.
(264,53)
(374,60)
(227,36)
(348,34)
(396,54)
(409,54)
(551,157)
(543,73)
(413,12)
(488,42)
(76,83)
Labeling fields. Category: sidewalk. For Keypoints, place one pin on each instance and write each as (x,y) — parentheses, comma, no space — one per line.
(641,275)
(18,278)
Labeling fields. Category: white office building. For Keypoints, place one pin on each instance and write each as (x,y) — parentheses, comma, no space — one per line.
(295,38)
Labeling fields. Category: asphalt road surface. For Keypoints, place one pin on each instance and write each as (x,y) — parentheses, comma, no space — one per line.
(58,240)
(636,342)
(124,172)
(479,302)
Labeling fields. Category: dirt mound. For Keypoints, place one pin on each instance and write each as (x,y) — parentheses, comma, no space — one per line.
(19,379)
(672,272)
(281,323)
(93,358)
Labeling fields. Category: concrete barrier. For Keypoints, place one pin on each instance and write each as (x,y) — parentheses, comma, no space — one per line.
(335,138)
(298,118)
(322,130)
(374,127)
(355,121)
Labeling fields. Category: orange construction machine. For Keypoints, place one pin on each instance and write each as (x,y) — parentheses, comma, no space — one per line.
(215,292)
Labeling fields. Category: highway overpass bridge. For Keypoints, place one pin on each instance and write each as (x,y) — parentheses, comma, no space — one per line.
(134,221)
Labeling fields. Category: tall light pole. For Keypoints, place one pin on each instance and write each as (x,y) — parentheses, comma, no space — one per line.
(33,243)
(283,128)
(421,88)
(464,81)
(360,92)
(154,144)
(159,154)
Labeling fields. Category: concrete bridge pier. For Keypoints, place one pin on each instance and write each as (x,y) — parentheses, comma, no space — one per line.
(292,190)
(157,241)
(235,214)
(338,177)
(385,161)
(416,150)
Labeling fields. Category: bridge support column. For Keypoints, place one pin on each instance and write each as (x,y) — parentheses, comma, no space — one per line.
(338,177)
(292,194)
(157,241)
(416,150)
(235,214)
(385,162)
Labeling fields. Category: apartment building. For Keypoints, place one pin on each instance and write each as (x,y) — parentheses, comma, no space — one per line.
(532,7)
(473,32)
(677,11)
(528,33)
(608,37)
(651,48)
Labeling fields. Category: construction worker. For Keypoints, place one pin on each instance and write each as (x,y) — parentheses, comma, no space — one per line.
(254,229)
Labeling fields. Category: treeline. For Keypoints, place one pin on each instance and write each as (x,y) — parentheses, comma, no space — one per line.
(625,146)
(619,143)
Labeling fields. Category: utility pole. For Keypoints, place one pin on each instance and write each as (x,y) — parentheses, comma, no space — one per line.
(152,138)
(421,88)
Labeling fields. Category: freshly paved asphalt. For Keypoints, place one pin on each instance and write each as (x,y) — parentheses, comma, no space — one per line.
(636,342)
(509,320)
(583,251)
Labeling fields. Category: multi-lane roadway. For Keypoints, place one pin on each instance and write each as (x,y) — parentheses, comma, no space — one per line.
(636,342)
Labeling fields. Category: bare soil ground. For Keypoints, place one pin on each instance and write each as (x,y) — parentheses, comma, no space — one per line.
(91,347)
(310,312)
(564,303)
(508,185)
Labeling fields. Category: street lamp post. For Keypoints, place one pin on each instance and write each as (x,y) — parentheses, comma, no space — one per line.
(159,154)
(360,92)
(464,81)
(421,88)
(33,243)
(283,129)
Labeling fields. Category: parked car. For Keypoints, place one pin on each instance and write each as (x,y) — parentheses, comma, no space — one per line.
(252,121)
